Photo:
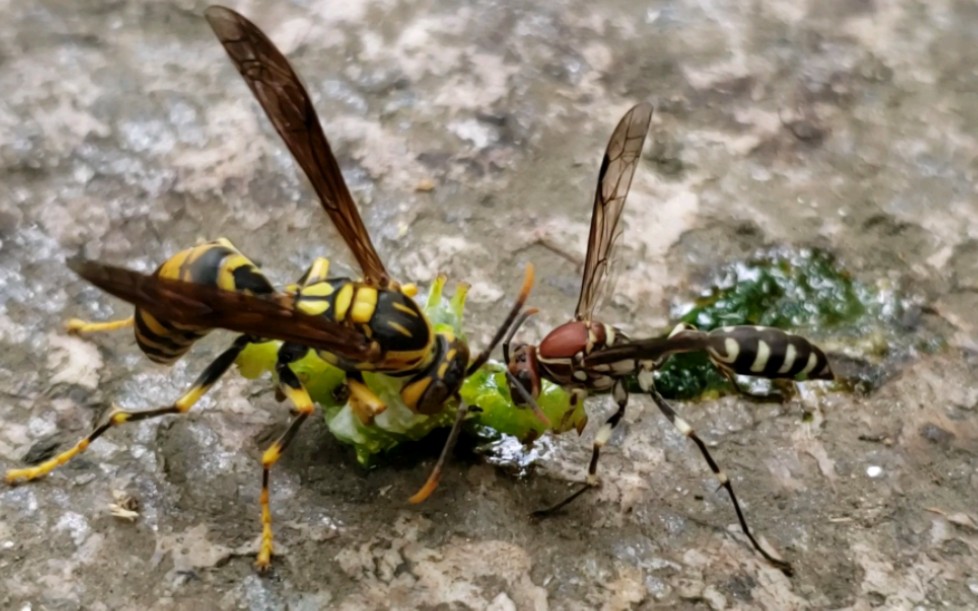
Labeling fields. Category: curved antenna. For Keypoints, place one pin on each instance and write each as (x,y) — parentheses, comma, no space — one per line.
(514,315)
(432,482)
(512,330)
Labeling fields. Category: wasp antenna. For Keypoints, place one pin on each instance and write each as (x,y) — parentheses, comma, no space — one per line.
(529,276)
(508,323)
(431,484)
(528,399)
(514,328)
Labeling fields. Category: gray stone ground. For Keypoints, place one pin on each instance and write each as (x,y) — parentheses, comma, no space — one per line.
(847,124)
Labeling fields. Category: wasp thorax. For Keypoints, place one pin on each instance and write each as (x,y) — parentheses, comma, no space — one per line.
(566,341)
(572,339)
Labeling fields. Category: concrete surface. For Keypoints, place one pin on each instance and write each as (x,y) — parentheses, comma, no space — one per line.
(126,134)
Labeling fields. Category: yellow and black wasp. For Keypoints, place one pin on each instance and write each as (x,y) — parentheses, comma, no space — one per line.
(588,356)
(371,324)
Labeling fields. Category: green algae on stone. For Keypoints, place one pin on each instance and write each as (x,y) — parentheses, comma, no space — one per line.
(802,292)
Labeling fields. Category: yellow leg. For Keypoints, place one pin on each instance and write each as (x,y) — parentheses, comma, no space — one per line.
(203,383)
(292,388)
(364,403)
(76,326)
(318,272)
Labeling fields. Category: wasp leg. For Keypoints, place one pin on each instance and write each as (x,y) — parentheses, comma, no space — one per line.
(645,381)
(432,482)
(318,272)
(294,391)
(76,326)
(600,439)
(364,403)
(210,375)
(783,391)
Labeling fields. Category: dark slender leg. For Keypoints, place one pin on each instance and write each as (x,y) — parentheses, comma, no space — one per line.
(645,381)
(600,439)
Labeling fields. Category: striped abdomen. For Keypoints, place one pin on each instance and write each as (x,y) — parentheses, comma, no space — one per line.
(216,263)
(766,352)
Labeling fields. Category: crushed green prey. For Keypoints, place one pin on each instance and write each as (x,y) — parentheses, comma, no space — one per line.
(807,292)
(492,411)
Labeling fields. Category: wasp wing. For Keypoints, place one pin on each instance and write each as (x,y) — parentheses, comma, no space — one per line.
(655,349)
(272,316)
(287,104)
(614,179)
(747,350)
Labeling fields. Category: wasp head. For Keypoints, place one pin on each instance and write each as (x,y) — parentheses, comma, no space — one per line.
(523,370)
(427,392)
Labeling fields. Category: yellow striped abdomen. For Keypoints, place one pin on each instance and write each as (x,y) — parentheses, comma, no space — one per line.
(218,263)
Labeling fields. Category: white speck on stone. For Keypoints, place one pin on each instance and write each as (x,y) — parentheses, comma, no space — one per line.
(42,425)
(973,587)
(714,598)
(502,602)
(76,525)
(874,471)
(23,498)
(760,174)
(8,545)
(479,134)
(485,292)
(73,361)
(11,331)
(83,173)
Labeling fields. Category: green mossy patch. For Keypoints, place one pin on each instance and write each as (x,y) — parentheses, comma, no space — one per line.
(806,292)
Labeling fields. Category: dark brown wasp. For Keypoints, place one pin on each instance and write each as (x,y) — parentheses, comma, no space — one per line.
(587,356)
(372,324)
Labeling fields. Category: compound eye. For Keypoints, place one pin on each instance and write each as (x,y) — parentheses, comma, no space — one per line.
(444,386)
(517,357)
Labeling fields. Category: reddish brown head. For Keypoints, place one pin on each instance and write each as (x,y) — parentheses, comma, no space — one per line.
(569,339)
(554,358)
